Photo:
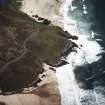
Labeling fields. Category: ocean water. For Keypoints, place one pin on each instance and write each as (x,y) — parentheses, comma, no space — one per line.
(82,81)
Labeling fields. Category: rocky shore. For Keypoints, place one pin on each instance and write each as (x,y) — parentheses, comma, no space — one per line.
(25,44)
(48,9)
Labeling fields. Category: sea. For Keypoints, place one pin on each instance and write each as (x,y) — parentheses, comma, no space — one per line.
(82,81)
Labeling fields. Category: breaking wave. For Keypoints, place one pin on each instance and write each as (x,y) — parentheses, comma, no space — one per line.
(78,82)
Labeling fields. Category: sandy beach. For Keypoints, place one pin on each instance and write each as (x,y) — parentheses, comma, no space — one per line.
(47,92)
(48,9)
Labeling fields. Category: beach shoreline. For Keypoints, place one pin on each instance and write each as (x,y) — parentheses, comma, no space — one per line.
(51,10)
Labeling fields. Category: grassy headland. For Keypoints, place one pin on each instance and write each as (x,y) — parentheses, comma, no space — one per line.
(24,45)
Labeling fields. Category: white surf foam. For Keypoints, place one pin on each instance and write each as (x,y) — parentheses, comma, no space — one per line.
(71,94)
